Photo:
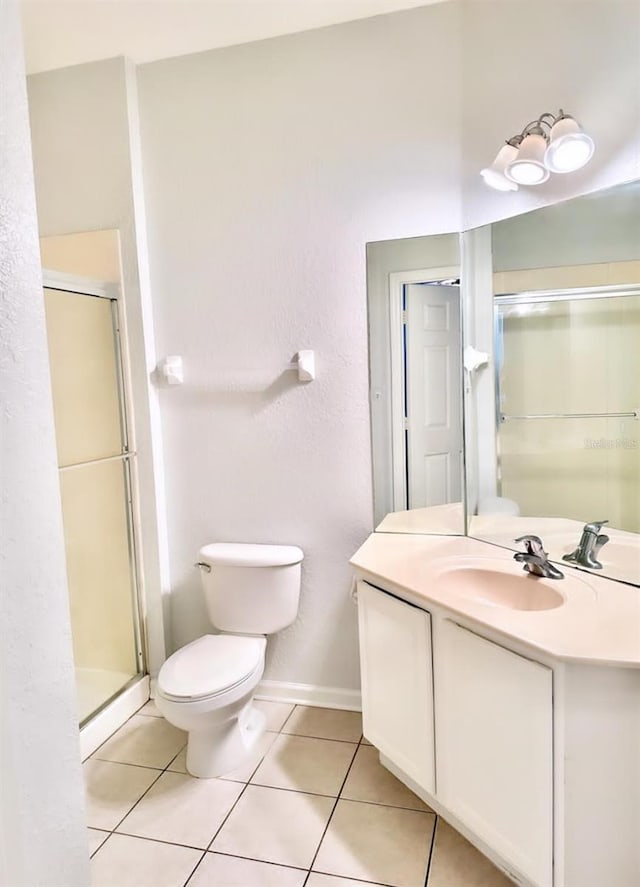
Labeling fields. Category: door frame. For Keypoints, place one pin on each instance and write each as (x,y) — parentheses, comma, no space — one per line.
(397,281)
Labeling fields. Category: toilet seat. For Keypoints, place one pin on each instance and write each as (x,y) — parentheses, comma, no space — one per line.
(210,666)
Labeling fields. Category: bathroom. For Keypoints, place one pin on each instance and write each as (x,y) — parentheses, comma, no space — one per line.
(245,182)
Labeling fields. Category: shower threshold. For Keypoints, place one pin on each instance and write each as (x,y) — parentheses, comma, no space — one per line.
(127,695)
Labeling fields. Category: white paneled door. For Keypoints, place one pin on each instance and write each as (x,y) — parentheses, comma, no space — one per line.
(433,394)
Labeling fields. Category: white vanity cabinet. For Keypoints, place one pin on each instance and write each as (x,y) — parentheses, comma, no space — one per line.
(397,682)
(535,713)
(494,729)
(481,748)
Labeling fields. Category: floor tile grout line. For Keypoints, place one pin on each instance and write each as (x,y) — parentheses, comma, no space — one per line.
(357,880)
(223,823)
(333,810)
(111,735)
(431,850)
(299,791)
(161,841)
(288,717)
(320,738)
(119,823)
(175,757)
(195,868)
(129,764)
(281,865)
(142,767)
(108,835)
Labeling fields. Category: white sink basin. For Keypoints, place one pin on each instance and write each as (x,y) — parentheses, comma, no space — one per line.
(497,583)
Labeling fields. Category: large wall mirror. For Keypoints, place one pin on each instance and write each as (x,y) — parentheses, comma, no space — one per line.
(561,456)
(546,312)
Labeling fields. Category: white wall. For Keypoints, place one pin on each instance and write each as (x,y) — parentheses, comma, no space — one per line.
(42,838)
(522,58)
(88,178)
(59,33)
(267,168)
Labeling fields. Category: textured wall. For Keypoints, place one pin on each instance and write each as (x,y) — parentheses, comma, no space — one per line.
(267,169)
(42,805)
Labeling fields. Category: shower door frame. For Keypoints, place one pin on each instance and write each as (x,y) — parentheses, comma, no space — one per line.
(531,297)
(54,280)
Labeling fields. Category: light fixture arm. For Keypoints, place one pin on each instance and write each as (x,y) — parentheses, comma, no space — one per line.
(535,126)
(554,117)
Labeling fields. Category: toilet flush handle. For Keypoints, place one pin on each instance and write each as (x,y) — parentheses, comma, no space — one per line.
(201,566)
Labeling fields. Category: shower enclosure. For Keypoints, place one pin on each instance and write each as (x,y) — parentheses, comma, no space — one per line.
(568,400)
(96,463)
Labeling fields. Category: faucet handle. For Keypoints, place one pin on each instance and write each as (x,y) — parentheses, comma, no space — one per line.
(533,544)
(595,526)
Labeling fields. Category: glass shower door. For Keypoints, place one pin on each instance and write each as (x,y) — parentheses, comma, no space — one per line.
(568,397)
(94,460)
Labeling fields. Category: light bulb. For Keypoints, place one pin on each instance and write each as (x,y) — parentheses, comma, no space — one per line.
(569,148)
(494,175)
(528,167)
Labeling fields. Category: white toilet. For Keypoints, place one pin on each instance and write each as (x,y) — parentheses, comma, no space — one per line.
(207,687)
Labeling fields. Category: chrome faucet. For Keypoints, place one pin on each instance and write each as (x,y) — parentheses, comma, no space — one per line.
(535,558)
(591,541)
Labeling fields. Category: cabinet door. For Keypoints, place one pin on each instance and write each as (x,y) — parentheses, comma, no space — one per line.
(397,684)
(495,754)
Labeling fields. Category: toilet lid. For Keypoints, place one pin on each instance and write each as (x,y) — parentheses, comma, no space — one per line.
(210,665)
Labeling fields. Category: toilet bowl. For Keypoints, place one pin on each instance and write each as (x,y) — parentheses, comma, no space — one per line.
(207,687)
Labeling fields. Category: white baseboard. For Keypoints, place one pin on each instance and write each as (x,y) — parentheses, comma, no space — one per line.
(310,694)
(113,716)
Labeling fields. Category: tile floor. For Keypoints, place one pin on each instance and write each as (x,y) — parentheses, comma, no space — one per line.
(314,808)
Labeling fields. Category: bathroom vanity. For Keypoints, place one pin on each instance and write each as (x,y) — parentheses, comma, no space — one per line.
(510,704)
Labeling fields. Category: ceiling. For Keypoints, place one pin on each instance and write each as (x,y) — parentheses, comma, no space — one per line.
(58,33)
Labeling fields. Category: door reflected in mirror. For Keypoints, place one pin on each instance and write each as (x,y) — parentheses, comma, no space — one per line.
(416,384)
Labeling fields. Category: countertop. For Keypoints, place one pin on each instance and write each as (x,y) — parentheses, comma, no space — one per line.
(599,623)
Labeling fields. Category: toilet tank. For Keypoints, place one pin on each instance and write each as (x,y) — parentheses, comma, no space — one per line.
(251,589)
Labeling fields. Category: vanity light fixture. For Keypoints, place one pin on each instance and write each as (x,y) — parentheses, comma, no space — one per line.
(552,143)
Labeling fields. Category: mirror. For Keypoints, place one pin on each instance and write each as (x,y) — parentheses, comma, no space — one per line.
(549,318)
(415,351)
(560,458)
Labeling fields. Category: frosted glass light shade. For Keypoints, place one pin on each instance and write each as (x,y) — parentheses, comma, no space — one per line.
(494,175)
(569,147)
(528,167)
